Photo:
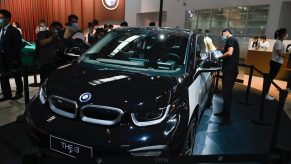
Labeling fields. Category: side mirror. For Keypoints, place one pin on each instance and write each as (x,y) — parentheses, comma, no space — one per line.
(74,52)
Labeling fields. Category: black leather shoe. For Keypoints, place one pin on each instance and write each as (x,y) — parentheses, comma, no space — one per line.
(4,99)
(17,96)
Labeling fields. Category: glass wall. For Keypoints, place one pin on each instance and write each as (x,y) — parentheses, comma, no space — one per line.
(243,20)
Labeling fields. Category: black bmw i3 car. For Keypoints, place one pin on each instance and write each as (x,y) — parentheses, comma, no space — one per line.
(138,91)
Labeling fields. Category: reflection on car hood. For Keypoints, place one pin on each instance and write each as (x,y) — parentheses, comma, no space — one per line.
(109,88)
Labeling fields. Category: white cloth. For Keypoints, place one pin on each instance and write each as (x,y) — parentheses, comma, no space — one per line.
(41,28)
(264,44)
(217,54)
(79,35)
(278,46)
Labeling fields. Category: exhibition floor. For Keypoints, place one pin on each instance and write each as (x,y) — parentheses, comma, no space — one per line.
(239,136)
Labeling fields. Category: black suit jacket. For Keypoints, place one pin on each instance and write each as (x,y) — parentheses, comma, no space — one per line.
(12,47)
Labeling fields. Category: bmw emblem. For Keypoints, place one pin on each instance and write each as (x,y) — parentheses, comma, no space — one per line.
(85,97)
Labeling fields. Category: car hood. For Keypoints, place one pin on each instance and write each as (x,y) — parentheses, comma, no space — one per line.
(125,90)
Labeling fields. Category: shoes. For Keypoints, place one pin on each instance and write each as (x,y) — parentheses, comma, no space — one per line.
(4,99)
(268,97)
(17,96)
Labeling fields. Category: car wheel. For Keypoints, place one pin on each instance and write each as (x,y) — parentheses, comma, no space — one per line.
(190,138)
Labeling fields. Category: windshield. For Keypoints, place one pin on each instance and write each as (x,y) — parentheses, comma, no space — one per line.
(141,48)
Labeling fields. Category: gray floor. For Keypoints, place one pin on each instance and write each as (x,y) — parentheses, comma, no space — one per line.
(9,110)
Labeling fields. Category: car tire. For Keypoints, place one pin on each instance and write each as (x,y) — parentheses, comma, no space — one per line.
(190,137)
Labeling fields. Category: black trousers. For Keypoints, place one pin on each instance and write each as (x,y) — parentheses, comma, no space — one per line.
(274,69)
(228,81)
(5,84)
(45,70)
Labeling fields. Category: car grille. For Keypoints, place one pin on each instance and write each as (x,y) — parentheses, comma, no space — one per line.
(101,115)
(63,106)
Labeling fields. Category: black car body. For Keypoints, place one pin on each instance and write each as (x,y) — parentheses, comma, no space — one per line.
(138,91)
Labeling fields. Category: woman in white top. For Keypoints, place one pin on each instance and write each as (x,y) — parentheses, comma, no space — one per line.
(277,57)
(264,44)
(41,27)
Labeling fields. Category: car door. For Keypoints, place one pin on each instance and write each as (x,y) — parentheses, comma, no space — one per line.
(199,89)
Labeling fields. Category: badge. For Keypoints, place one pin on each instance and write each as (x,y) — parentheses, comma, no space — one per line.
(110,4)
(85,97)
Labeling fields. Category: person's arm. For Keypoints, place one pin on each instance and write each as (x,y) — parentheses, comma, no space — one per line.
(36,29)
(16,46)
(68,33)
(228,53)
(46,41)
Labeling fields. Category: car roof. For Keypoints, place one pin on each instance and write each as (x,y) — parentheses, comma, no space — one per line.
(147,28)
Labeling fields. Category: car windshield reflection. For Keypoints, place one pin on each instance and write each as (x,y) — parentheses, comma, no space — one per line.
(148,48)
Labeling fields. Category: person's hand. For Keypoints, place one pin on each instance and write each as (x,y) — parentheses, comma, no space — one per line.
(217,54)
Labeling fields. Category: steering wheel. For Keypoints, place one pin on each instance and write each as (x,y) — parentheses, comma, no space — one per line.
(172,57)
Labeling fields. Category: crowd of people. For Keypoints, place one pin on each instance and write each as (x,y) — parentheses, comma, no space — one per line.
(51,42)
(259,43)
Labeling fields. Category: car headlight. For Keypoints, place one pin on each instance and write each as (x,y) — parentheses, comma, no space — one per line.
(150,118)
(42,95)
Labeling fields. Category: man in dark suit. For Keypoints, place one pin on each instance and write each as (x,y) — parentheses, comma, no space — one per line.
(10,59)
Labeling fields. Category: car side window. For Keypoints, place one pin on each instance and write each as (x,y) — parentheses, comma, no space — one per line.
(192,58)
(200,54)
(206,45)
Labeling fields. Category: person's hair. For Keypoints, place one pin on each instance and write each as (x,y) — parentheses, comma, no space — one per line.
(123,24)
(105,26)
(90,24)
(72,16)
(95,22)
(152,24)
(278,33)
(256,37)
(42,20)
(6,14)
(226,30)
(56,24)
(98,30)
(110,26)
